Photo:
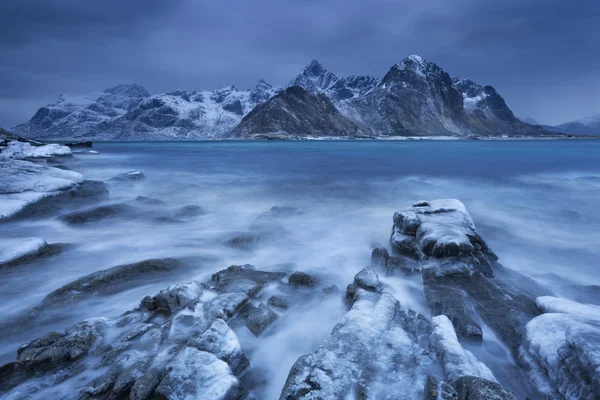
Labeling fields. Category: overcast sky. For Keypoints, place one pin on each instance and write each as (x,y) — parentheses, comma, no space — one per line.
(543,56)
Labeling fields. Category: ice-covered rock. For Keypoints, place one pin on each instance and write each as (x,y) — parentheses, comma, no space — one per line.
(176,345)
(456,361)
(459,271)
(19,251)
(221,341)
(20,150)
(23,183)
(369,353)
(195,374)
(131,176)
(562,349)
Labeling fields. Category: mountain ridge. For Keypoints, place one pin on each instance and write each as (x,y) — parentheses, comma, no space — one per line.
(415,97)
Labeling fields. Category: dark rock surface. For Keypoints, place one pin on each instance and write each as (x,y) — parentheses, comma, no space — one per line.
(473,388)
(47,250)
(458,272)
(177,344)
(296,113)
(98,214)
(301,279)
(131,176)
(149,201)
(259,318)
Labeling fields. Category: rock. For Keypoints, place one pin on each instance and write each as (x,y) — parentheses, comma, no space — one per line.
(459,269)
(381,259)
(244,241)
(561,349)
(331,289)
(198,374)
(107,282)
(189,212)
(276,301)
(149,201)
(98,214)
(368,280)
(259,318)
(438,390)
(368,351)
(87,143)
(281,212)
(221,341)
(15,252)
(244,278)
(174,298)
(55,348)
(300,279)
(131,176)
(474,388)
(456,361)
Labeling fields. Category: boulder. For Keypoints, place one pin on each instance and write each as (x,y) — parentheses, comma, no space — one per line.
(189,212)
(221,341)
(475,388)
(301,279)
(98,214)
(259,318)
(131,176)
(276,301)
(15,252)
(561,349)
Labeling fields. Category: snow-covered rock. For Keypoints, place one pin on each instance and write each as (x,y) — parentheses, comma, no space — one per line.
(14,250)
(459,271)
(369,352)
(23,183)
(20,150)
(562,349)
(456,361)
(176,345)
(586,126)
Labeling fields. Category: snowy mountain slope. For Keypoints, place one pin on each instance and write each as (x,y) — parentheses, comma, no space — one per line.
(586,126)
(297,113)
(130,113)
(415,98)
(73,115)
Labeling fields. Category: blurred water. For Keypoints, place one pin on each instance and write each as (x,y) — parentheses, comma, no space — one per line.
(533,201)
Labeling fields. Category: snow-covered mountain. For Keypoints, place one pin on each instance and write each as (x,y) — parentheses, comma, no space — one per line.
(297,113)
(415,98)
(589,126)
(128,112)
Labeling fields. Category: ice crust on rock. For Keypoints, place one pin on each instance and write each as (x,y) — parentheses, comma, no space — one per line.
(456,361)
(459,272)
(562,349)
(20,150)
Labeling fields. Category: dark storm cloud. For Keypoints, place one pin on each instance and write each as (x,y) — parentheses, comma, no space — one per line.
(540,54)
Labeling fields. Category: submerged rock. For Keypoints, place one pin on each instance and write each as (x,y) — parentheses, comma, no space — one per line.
(149,201)
(131,176)
(459,270)
(98,214)
(105,282)
(276,301)
(189,212)
(301,279)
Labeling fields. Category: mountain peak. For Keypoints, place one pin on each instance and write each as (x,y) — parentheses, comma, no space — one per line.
(129,90)
(314,78)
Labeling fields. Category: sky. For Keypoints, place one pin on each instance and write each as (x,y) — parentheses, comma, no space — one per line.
(541,55)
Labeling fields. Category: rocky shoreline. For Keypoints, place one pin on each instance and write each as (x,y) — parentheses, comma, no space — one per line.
(184,341)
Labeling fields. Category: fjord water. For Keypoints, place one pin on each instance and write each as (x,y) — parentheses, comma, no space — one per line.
(533,201)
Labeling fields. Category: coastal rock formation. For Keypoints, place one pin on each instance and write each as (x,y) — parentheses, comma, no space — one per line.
(176,344)
(562,349)
(459,272)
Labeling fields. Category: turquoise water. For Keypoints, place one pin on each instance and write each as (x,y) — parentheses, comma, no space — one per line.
(534,202)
